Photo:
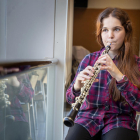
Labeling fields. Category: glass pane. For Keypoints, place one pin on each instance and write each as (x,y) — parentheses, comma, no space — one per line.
(23,99)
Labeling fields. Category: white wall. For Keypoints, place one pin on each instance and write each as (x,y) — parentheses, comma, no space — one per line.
(30,29)
(125,4)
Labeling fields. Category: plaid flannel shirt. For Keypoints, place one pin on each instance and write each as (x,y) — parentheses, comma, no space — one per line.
(99,111)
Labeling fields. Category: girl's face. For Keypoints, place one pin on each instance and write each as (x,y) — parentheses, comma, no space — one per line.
(112,32)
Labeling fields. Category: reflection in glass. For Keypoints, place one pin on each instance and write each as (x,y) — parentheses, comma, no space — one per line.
(19,90)
(24,116)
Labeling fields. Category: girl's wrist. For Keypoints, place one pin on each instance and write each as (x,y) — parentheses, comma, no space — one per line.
(76,86)
(119,77)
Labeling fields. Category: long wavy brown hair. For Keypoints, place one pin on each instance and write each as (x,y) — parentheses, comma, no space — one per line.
(126,61)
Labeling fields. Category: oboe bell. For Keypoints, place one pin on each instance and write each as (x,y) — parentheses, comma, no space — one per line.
(69,120)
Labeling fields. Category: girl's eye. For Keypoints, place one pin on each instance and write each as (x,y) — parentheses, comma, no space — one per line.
(104,30)
(117,29)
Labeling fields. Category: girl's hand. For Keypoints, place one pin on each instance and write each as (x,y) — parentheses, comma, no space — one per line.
(108,64)
(83,76)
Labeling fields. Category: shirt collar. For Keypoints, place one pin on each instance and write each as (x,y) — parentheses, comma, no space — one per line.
(101,50)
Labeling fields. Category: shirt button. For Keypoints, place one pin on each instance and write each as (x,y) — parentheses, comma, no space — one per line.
(106,103)
(107,107)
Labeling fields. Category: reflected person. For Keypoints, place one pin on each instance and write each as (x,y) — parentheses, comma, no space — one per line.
(19,90)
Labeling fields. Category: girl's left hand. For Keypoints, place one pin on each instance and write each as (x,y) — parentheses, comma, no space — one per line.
(108,64)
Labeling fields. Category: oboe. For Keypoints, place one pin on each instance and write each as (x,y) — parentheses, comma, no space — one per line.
(69,120)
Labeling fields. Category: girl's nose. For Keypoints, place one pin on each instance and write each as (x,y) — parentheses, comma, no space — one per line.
(110,34)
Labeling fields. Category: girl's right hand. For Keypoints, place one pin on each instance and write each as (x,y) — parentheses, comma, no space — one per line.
(83,76)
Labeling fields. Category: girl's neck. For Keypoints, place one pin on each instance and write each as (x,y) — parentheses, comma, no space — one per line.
(112,54)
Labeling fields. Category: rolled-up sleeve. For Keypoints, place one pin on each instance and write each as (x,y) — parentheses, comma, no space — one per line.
(131,92)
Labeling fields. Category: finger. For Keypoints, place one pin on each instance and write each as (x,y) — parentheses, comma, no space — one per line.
(104,67)
(105,61)
(96,80)
(100,57)
(89,68)
(103,58)
(87,72)
(12,70)
(81,79)
(86,77)
(102,62)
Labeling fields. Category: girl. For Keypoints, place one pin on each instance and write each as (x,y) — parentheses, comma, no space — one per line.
(109,110)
